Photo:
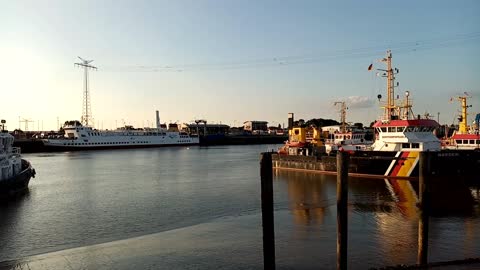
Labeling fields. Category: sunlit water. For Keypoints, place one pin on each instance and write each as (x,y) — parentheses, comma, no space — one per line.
(85,198)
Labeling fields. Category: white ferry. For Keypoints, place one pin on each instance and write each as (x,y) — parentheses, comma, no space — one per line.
(80,137)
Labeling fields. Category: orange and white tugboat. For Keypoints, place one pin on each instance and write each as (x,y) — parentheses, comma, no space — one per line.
(399,139)
(466,137)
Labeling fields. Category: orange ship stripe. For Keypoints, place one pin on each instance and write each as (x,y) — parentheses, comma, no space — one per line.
(408,164)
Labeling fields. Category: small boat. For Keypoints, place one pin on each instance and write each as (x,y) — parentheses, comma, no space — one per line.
(15,172)
(466,137)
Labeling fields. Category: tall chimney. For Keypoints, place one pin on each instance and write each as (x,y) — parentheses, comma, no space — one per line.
(158,119)
(290,120)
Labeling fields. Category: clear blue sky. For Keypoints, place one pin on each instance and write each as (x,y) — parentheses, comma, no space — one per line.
(232,61)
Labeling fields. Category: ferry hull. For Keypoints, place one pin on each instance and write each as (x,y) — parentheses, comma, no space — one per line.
(17,183)
(387,164)
(61,148)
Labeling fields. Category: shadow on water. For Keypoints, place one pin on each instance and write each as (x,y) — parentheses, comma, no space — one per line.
(12,201)
(10,215)
(452,197)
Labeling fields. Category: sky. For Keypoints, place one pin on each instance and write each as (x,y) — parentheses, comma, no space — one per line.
(232,61)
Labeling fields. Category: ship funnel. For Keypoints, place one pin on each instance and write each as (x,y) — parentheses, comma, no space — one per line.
(157,119)
(290,120)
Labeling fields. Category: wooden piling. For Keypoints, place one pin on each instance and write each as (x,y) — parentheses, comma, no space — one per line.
(424,203)
(266,177)
(343,159)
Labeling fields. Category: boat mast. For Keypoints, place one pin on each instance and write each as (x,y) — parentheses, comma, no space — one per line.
(463,123)
(391,110)
(343,115)
(86,108)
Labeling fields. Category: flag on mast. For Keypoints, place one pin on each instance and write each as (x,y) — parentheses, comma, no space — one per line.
(370,67)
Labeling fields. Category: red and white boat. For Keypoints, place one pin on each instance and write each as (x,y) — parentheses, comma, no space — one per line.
(466,137)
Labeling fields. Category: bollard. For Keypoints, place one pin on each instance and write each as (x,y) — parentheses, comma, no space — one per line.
(266,177)
(343,160)
(424,203)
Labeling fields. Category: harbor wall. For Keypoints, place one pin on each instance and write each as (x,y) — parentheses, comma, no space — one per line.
(241,139)
(446,163)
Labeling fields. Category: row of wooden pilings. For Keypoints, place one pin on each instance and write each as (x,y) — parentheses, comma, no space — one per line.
(343,160)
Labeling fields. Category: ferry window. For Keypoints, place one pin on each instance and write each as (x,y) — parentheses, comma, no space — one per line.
(400,129)
(415,145)
(458,141)
(472,141)
(465,141)
(392,129)
(83,135)
(405,145)
(384,129)
(478,142)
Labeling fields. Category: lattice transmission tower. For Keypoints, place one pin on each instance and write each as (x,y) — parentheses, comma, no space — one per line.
(87,118)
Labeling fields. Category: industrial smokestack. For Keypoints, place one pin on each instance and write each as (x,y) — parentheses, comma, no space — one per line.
(290,120)
(158,119)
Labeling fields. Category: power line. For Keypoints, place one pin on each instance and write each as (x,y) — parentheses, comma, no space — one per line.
(279,61)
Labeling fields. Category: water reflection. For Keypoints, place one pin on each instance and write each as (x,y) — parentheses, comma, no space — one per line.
(308,196)
(383,215)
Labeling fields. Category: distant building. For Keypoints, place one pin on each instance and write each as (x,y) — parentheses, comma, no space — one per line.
(255,126)
(205,129)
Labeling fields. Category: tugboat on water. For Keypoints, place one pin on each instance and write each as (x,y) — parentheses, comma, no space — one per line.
(15,172)
(399,139)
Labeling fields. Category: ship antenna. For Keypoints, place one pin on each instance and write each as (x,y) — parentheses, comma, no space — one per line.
(86,108)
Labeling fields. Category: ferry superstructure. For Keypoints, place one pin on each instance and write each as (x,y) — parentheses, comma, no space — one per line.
(78,137)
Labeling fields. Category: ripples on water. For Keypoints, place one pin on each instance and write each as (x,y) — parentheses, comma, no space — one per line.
(83,198)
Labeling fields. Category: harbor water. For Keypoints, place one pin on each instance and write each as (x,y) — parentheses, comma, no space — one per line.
(199,208)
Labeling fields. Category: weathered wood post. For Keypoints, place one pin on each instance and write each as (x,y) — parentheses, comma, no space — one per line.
(424,203)
(266,177)
(343,160)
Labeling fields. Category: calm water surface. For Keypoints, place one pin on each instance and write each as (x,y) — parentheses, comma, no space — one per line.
(85,198)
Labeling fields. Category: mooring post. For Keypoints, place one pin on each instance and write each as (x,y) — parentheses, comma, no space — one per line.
(266,177)
(424,203)
(343,159)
